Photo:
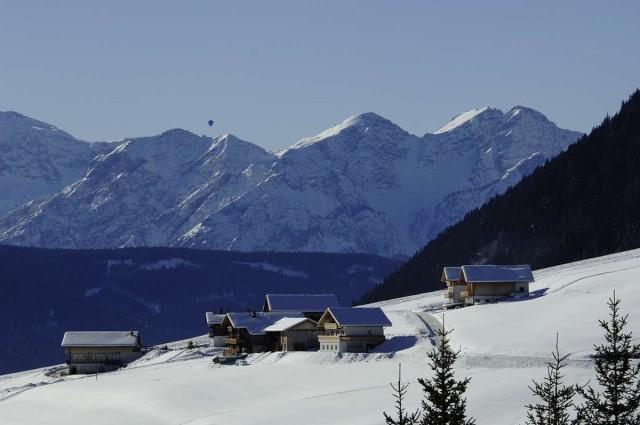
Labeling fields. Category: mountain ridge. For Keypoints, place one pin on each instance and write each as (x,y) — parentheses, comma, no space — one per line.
(338,191)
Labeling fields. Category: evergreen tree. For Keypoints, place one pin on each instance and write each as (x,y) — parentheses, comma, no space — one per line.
(619,401)
(555,398)
(403,418)
(443,402)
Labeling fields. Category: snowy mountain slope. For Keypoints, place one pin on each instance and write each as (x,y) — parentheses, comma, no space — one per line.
(37,159)
(145,192)
(182,386)
(364,185)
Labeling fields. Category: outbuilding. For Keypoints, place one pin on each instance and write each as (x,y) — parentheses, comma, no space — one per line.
(452,277)
(352,329)
(294,334)
(93,352)
(217,332)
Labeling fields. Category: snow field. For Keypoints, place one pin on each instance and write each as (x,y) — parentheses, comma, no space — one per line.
(504,346)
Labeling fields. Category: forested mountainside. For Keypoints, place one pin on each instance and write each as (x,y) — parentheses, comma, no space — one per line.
(162,292)
(583,203)
(365,185)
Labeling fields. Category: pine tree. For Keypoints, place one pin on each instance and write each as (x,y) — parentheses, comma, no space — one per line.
(619,401)
(556,398)
(443,402)
(403,418)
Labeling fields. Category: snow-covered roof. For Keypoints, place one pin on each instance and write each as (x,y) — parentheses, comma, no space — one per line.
(101,339)
(451,273)
(256,323)
(494,273)
(287,323)
(365,316)
(300,302)
(214,319)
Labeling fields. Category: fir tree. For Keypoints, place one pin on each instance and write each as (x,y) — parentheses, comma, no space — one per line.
(444,402)
(555,398)
(619,401)
(403,418)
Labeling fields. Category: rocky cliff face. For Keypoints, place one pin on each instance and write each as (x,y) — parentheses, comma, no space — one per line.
(365,185)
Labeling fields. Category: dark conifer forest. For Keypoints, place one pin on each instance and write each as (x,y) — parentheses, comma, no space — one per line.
(583,203)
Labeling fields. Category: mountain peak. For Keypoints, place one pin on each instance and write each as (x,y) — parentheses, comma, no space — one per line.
(13,120)
(361,123)
(462,119)
(366,118)
(522,111)
(177,132)
(230,141)
(229,138)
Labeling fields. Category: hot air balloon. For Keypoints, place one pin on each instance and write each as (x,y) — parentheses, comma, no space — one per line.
(210,123)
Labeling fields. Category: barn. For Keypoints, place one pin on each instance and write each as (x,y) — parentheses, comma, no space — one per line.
(94,352)
(482,283)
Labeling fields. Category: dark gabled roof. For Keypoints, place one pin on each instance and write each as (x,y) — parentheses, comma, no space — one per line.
(214,319)
(101,339)
(354,316)
(256,323)
(315,303)
(451,274)
(497,273)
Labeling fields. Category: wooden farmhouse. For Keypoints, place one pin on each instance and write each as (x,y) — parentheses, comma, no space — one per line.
(311,305)
(217,332)
(474,284)
(247,332)
(351,330)
(93,352)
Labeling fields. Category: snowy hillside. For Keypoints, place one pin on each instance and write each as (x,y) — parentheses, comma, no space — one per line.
(365,185)
(504,346)
(37,159)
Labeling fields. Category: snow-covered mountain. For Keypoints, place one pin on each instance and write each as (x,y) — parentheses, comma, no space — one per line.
(365,185)
(36,159)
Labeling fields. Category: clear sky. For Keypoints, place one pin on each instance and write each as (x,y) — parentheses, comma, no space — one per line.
(272,72)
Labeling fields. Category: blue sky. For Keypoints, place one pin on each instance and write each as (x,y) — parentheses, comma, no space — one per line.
(272,72)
